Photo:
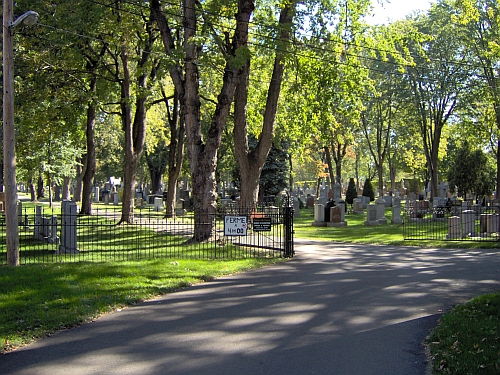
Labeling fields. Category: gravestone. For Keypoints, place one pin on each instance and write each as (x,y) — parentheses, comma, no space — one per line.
(358,206)
(468,223)
(380,203)
(388,200)
(68,230)
(158,204)
(319,215)
(296,207)
(453,228)
(336,191)
(396,215)
(443,190)
(371,215)
(337,216)
(365,200)
(492,222)
(310,202)
(96,194)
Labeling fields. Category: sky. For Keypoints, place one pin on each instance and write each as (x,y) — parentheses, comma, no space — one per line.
(397,9)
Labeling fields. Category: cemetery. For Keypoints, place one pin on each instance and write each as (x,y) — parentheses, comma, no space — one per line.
(445,218)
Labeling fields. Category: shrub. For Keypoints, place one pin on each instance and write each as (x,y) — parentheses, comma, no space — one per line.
(351,192)
(368,190)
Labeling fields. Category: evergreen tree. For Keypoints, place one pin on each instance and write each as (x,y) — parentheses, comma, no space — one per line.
(368,190)
(351,192)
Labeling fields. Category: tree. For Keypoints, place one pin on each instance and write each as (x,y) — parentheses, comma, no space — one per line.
(275,172)
(480,24)
(368,190)
(251,161)
(351,192)
(471,172)
(437,82)
(185,74)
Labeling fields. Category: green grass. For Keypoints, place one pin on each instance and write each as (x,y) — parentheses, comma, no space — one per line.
(467,340)
(37,300)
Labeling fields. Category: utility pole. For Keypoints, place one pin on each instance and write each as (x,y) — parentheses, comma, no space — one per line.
(9,151)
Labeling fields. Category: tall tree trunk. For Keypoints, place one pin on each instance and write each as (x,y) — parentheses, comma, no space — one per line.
(88,176)
(80,171)
(380,174)
(40,190)
(135,131)
(176,154)
(32,189)
(329,163)
(251,162)
(65,189)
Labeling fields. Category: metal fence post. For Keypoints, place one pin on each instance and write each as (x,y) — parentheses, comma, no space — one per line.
(288,224)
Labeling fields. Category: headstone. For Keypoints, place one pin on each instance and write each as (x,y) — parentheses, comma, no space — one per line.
(388,200)
(158,204)
(319,215)
(336,191)
(380,202)
(296,207)
(371,215)
(443,190)
(310,202)
(492,222)
(116,199)
(337,215)
(468,223)
(396,202)
(96,194)
(358,206)
(38,222)
(396,215)
(68,230)
(453,228)
(365,200)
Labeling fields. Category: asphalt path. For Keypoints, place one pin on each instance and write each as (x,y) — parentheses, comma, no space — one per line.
(333,309)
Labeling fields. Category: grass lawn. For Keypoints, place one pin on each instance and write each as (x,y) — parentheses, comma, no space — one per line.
(37,300)
(467,340)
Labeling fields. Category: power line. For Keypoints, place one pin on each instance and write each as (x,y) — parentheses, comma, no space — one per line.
(294,43)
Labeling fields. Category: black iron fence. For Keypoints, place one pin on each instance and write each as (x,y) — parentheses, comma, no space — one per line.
(451,221)
(236,233)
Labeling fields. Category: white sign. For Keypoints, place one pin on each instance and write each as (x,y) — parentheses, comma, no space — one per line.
(235,225)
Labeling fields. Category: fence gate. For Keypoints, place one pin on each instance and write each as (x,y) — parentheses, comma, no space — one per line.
(267,226)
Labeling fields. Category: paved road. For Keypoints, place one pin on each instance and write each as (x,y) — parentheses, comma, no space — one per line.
(334,309)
